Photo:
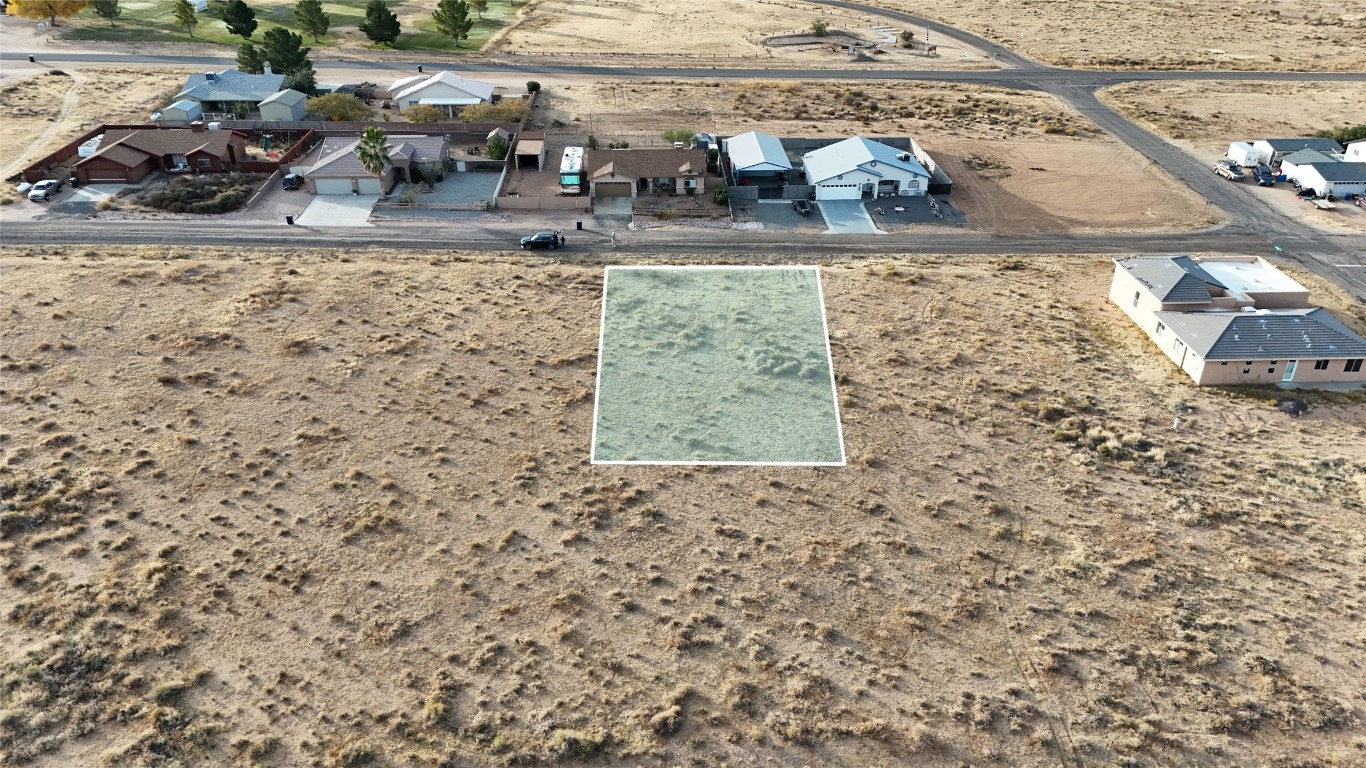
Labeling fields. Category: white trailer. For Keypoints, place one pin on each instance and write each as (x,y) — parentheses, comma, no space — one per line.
(1246,155)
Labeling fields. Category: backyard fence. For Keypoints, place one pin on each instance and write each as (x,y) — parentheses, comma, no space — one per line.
(269,185)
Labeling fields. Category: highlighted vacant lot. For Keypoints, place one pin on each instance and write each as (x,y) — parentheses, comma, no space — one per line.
(715,365)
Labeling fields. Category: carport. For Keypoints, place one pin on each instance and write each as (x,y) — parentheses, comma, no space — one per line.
(530,149)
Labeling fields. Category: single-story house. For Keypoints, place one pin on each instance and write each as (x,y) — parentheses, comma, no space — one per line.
(1291,163)
(1272,150)
(185,111)
(1356,152)
(636,172)
(445,90)
(1334,178)
(129,155)
(856,168)
(1236,320)
(219,91)
(338,171)
(756,154)
(287,106)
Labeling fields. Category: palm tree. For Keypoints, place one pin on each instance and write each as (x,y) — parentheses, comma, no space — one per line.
(373,153)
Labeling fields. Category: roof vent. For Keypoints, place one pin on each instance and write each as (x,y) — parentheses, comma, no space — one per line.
(904,156)
(211,76)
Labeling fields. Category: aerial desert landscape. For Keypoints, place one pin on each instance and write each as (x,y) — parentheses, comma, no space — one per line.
(342,514)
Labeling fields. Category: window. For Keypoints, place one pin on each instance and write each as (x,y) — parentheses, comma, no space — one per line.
(1246,371)
(1270,370)
(1135,298)
(1320,365)
(1160,329)
(1224,363)
(1352,366)
(204,162)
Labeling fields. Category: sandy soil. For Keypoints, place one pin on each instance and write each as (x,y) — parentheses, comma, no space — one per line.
(706,28)
(343,512)
(1020,161)
(1174,34)
(1204,117)
(42,112)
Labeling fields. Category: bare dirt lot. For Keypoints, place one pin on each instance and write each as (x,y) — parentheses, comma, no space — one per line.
(646,28)
(1203,117)
(1020,161)
(1313,35)
(342,514)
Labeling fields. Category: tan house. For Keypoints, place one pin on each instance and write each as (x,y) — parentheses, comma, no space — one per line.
(1236,320)
(645,172)
(338,170)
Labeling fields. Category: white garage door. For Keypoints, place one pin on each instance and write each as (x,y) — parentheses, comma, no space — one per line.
(368,186)
(1344,188)
(839,191)
(332,186)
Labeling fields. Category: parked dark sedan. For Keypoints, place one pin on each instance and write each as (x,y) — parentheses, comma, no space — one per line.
(293,181)
(541,240)
(1263,176)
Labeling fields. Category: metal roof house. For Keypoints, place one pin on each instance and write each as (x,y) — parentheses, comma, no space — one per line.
(757,154)
(444,90)
(1274,149)
(1333,178)
(1236,320)
(218,91)
(856,168)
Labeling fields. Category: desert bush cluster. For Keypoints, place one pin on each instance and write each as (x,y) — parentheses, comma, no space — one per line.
(210,193)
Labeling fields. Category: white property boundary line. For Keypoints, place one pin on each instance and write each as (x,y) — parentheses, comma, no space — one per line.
(829,363)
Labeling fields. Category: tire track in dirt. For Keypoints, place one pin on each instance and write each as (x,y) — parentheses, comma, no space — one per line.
(57,125)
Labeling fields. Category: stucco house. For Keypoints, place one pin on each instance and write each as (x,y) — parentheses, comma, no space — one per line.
(338,171)
(130,155)
(857,168)
(1236,320)
(639,172)
(287,106)
(219,91)
(446,91)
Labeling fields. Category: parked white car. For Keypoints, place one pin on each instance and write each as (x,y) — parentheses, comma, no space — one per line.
(44,190)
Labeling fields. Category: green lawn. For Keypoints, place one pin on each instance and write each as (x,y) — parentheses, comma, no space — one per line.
(149,21)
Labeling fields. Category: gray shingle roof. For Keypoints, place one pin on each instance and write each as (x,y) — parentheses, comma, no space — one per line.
(1290,145)
(231,85)
(1276,335)
(337,156)
(1170,281)
(1306,156)
(1334,171)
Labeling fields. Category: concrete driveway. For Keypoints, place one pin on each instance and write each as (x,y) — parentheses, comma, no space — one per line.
(847,217)
(612,206)
(338,211)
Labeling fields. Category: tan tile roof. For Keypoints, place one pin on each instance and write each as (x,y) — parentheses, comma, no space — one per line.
(645,163)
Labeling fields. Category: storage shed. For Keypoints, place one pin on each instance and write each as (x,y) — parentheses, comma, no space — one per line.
(287,106)
(182,112)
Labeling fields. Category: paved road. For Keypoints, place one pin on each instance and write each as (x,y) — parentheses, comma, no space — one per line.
(1254,227)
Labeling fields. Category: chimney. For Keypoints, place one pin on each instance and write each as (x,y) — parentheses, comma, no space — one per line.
(197,126)
(268,69)
(210,76)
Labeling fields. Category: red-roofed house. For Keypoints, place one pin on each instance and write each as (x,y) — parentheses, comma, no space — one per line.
(129,155)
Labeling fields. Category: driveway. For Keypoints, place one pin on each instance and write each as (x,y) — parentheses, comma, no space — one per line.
(847,217)
(612,206)
(338,211)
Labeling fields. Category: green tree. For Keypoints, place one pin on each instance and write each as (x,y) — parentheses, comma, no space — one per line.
(819,29)
(1344,135)
(45,9)
(532,86)
(673,135)
(907,39)
(340,107)
(453,19)
(239,18)
(309,15)
(249,59)
(381,24)
(184,16)
(373,151)
(302,78)
(479,6)
(498,147)
(720,194)
(108,9)
(284,50)
(424,113)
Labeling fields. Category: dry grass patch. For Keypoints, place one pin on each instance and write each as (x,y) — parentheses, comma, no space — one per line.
(1219,111)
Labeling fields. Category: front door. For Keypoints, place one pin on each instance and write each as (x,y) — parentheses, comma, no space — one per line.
(1289,371)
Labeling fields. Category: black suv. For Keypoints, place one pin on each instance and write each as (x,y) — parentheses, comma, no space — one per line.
(1264,176)
(541,240)
(293,181)
(802,206)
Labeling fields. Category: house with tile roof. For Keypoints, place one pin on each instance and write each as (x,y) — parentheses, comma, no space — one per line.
(337,170)
(219,91)
(640,172)
(130,155)
(1227,320)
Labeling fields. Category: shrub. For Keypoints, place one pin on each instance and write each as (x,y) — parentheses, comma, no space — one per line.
(532,86)
(214,194)
(819,28)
